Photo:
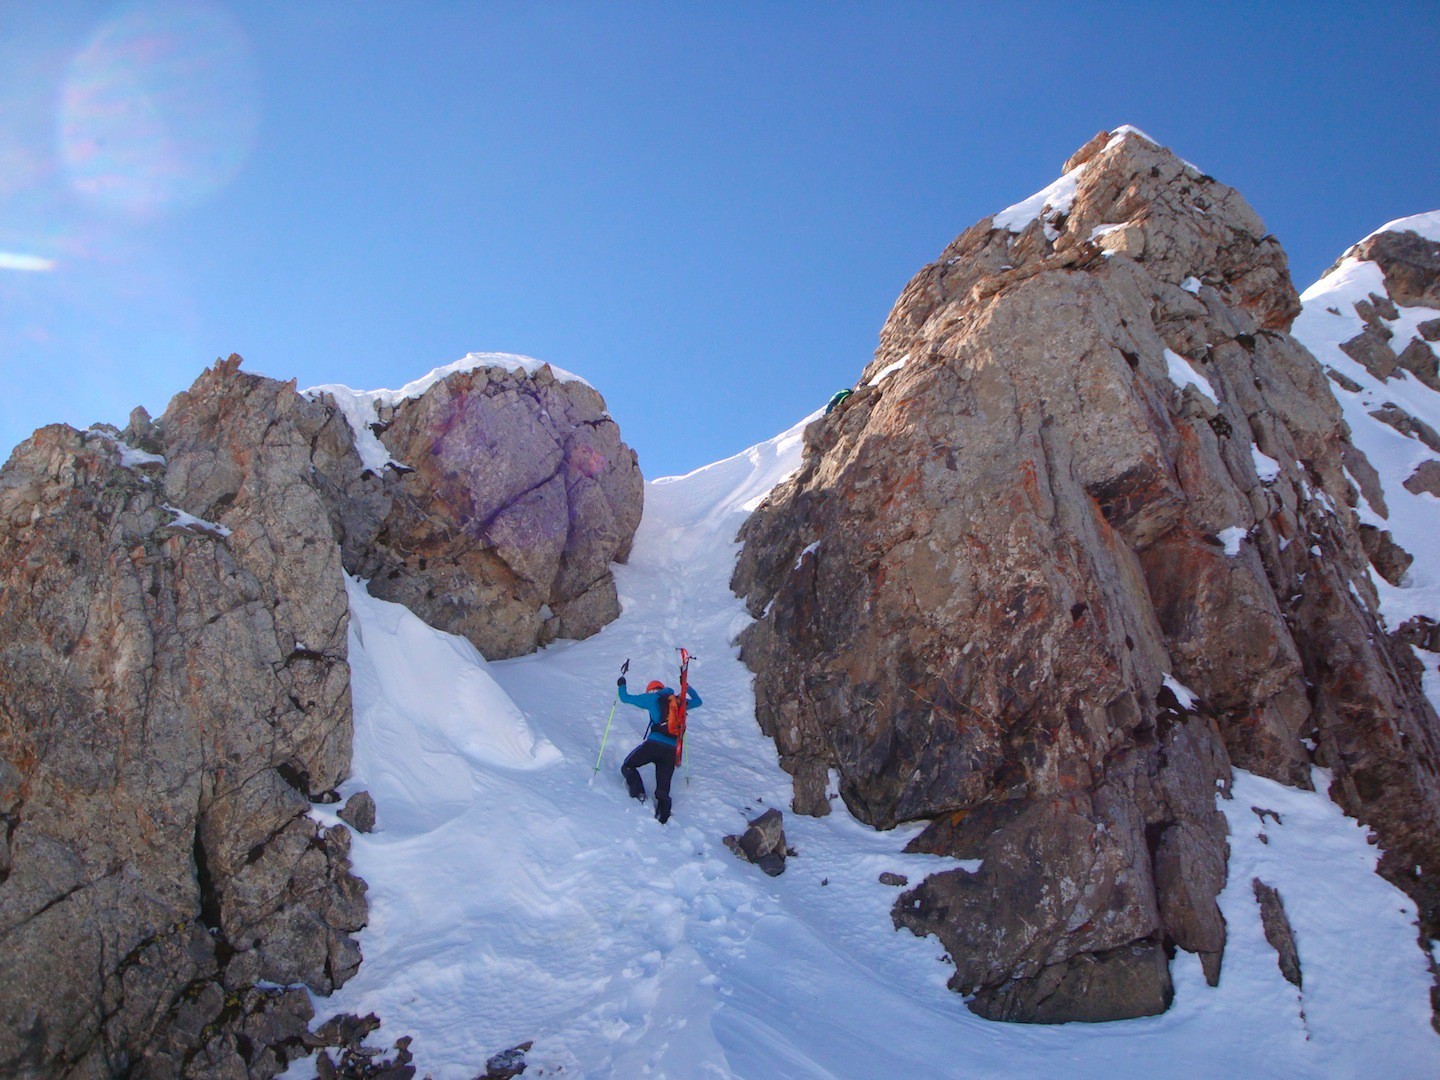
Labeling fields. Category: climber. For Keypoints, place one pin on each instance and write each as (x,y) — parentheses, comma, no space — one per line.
(839,396)
(663,743)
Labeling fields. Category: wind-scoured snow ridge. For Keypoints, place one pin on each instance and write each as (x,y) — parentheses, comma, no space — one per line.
(1329,319)
(1426,225)
(360,407)
(518,895)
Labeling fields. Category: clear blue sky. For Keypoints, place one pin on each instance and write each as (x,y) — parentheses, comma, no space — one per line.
(706,210)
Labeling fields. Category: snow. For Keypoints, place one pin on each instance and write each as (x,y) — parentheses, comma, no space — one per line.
(186,520)
(130,457)
(1266,467)
(1055,199)
(808,550)
(360,407)
(888,369)
(133,458)
(1105,230)
(1414,520)
(1191,285)
(469,362)
(1119,134)
(1182,373)
(1231,538)
(516,894)
(1426,225)
(1059,197)
(1183,693)
(1324,868)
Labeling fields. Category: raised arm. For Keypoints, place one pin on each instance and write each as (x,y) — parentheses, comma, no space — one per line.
(692,699)
(642,700)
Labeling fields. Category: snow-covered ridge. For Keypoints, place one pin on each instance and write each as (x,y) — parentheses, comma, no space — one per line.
(1328,320)
(361,407)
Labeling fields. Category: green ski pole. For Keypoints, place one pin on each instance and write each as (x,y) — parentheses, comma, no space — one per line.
(623,669)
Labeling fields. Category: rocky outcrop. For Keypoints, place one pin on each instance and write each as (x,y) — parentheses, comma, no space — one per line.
(513,496)
(1410,263)
(176,694)
(1081,538)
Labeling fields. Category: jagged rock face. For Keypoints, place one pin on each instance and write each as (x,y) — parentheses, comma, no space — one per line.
(520,496)
(175,694)
(1086,471)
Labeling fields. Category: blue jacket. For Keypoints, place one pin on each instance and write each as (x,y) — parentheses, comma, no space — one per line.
(651,701)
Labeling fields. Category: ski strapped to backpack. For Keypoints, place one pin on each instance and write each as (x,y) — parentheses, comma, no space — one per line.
(675,721)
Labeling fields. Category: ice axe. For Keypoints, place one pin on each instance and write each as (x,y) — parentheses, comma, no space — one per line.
(623,669)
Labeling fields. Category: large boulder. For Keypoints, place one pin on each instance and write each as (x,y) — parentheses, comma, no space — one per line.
(1081,538)
(511,496)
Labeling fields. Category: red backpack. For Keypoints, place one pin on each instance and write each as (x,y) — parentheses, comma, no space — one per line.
(672,716)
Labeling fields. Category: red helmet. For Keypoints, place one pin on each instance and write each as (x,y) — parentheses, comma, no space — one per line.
(653,685)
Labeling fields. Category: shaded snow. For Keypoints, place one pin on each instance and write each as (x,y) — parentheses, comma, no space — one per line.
(1266,467)
(1183,693)
(186,520)
(130,457)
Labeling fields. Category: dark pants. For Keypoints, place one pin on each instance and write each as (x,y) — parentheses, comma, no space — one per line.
(662,757)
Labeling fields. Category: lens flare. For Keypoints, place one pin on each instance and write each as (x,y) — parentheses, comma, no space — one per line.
(160,110)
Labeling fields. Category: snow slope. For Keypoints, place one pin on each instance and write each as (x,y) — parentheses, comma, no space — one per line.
(516,894)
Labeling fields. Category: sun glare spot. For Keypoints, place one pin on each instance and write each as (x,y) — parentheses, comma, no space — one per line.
(161,107)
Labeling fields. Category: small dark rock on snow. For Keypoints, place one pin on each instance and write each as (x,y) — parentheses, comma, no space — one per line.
(346,1033)
(887,878)
(1278,931)
(359,812)
(506,1064)
(763,843)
